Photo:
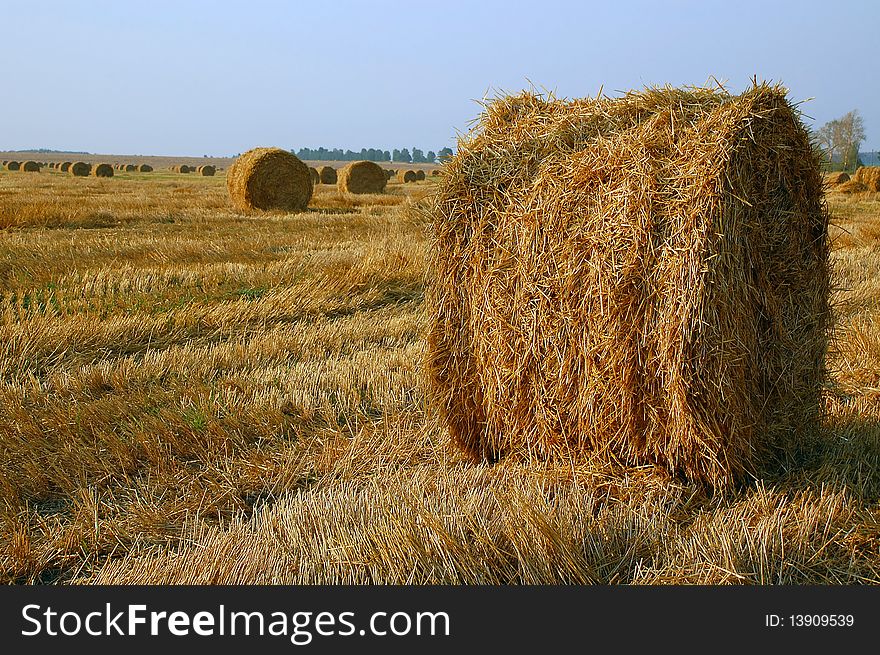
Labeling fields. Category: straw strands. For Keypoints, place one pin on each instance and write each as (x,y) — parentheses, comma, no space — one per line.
(643,280)
(269,178)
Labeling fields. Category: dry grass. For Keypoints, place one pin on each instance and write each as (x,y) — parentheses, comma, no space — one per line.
(187,395)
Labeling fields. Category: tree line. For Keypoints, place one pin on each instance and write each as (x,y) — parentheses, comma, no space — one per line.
(417,156)
(840,140)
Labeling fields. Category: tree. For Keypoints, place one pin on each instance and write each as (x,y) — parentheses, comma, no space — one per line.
(444,154)
(403,156)
(842,137)
(431,157)
(418,156)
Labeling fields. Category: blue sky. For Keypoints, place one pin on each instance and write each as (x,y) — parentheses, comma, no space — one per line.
(216,78)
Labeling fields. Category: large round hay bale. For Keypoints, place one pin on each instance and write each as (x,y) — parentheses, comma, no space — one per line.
(328,175)
(80,169)
(206,170)
(13,165)
(30,167)
(420,174)
(361,177)
(145,168)
(642,279)
(869,176)
(316,177)
(64,166)
(833,179)
(102,170)
(269,178)
(406,175)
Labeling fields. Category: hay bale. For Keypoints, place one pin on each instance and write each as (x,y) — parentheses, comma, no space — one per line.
(131,168)
(316,177)
(406,176)
(361,177)
(833,179)
(869,176)
(206,170)
(435,172)
(145,168)
(852,186)
(30,167)
(13,165)
(80,169)
(102,170)
(328,175)
(420,175)
(269,178)
(642,279)
(65,166)
(389,173)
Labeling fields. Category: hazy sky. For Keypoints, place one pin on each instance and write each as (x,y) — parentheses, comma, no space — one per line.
(217,78)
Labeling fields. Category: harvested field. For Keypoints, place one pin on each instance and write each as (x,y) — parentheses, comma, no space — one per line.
(194,396)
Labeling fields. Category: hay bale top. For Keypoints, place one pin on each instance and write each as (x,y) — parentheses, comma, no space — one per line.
(406,175)
(361,177)
(102,170)
(269,178)
(30,167)
(328,175)
(644,279)
(833,179)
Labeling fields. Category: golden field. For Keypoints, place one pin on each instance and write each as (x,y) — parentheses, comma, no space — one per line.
(190,395)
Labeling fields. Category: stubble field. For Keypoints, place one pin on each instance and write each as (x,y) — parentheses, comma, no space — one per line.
(190,395)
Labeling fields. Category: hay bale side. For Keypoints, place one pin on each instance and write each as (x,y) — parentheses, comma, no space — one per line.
(206,170)
(145,168)
(102,170)
(30,167)
(328,175)
(80,169)
(642,279)
(65,166)
(269,178)
(869,176)
(406,176)
(420,175)
(361,177)
(833,179)
(13,165)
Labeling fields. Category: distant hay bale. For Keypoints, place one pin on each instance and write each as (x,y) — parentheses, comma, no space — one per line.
(869,176)
(361,177)
(64,166)
(389,173)
(316,177)
(30,167)
(852,186)
(13,165)
(206,170)
(435,172)
(642,279)
(131,168)
(145,168)
(833,179)
(181,168)
(80,169)
(269,178)
(406,176)
(328,175)
(102,170)
(420,174)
